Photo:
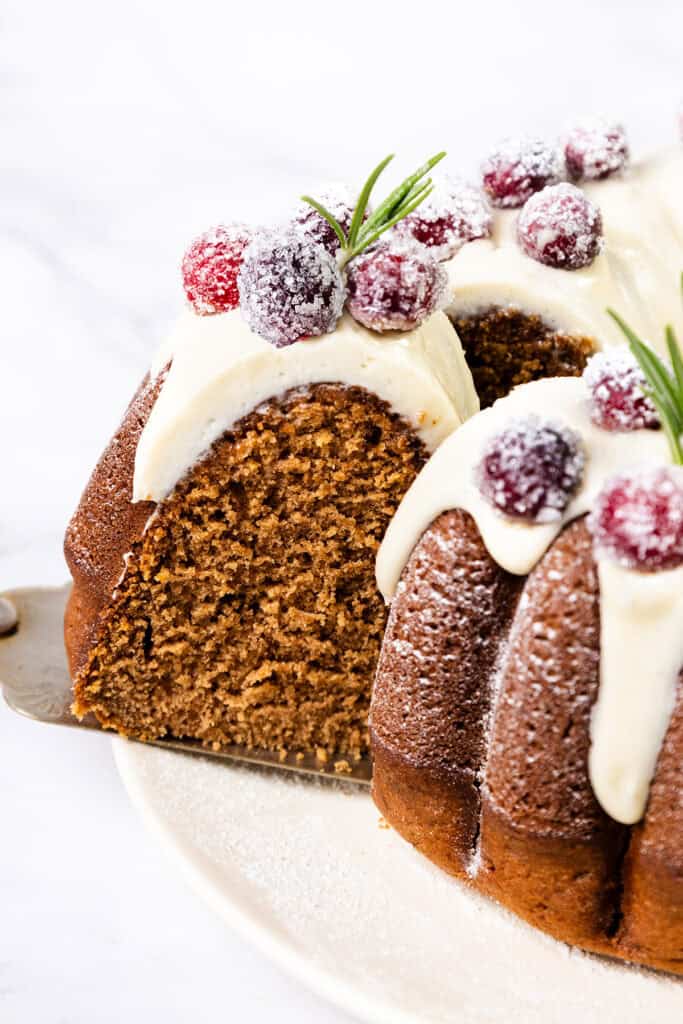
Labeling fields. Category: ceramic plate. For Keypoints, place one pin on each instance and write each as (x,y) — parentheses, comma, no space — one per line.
(305,870)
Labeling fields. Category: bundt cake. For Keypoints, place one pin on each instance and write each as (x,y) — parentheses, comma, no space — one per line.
(527,714)
(223,551)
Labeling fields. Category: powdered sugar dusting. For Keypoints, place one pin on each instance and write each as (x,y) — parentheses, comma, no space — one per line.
(560,227)
(337,197)
(289,288)
(638,519)
(304,868)
(595,148)
(210,267)
(517,168)
(395,286)
(531,469)
(616,386)
(453,214)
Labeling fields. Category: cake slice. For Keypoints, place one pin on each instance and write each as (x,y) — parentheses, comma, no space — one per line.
(223,551)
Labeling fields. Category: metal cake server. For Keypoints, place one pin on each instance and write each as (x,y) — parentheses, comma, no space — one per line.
(35,683)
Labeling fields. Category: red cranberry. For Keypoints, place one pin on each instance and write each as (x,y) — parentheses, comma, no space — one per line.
(340,202)
(595,149)
(531,469)
(453,214)
(289,288)
(638,519)
(395,286)
(560,227)
(616,386)
(518,168)
(210,268)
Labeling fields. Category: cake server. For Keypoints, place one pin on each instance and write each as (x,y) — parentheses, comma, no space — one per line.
(35,683)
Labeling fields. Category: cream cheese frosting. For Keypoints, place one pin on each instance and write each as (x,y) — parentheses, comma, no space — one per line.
(641,641)
(637,273)
(220,371)
(628,680)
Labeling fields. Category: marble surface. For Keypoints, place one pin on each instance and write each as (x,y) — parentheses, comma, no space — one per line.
(126,128)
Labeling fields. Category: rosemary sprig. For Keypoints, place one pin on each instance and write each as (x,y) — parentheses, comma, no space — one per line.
(405,198)
(665,389)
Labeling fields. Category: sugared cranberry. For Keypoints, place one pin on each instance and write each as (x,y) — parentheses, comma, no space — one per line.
(616,386)
(395,286)
(519,167)
(560,227)
(638,519)
(595,149)
(289,288)
(210,268)
(531,469)
(340,202)
(453,214)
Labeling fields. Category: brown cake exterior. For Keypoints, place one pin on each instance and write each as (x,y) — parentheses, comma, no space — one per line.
(246,609)
(480,733)
(104,527)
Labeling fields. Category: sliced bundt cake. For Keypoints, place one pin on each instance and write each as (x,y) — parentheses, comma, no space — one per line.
(223,552)
(526,719)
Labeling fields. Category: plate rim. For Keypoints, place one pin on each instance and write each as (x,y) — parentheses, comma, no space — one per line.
(321,982)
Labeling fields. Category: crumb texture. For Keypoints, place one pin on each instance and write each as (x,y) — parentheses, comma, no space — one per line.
(248,612)
(505,347)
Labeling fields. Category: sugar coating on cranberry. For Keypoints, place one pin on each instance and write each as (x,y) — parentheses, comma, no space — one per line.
(638,519)
(210,267)
(560,227)
(340,200)
(531,469)
(519,167)
(289,288)
(453,214)
(594,149)
(617,392)
(395,285)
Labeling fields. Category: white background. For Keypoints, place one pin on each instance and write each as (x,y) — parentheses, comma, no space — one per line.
(125,128)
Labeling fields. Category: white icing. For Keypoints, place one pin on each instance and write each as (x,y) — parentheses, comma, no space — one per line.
(640,657)
(641,629)
(637,273)
(448,479)
(221,371)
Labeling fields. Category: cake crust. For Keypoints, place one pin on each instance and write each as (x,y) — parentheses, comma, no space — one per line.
(104,527)
(528,830)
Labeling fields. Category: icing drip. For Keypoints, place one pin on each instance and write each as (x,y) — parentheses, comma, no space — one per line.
(221,371)
(642,639)
(641,631)
(448,480)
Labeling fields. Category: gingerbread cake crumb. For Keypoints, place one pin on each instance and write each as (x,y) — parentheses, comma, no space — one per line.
(505,347)
(248,611)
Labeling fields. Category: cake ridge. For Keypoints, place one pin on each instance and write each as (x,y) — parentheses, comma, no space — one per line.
(585,711)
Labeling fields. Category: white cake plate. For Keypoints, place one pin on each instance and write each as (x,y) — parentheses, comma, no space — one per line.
(306,872)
